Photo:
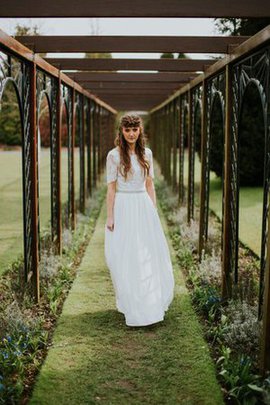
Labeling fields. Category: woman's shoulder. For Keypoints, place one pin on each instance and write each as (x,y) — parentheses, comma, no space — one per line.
(113,153)
(148,151)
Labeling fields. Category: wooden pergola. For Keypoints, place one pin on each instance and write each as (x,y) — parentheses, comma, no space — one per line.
(136,44)
(171,90)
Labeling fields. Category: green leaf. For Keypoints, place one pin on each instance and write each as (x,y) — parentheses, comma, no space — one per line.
(255,387)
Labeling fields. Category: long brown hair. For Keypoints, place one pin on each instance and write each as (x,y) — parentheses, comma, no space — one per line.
(125,162)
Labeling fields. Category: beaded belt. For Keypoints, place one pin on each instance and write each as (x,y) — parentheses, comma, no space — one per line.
(131,191)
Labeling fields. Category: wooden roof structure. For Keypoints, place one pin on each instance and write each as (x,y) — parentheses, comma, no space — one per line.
(136,8)
(159,78)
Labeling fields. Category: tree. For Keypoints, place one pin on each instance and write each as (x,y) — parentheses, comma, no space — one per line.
(167,55)
(170,55)
(10,119)
(182,55)
(21,29)
(95,30)
(241,26)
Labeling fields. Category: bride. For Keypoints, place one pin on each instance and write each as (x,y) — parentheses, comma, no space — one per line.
(136,250)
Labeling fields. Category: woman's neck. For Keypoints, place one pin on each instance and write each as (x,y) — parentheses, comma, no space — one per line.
(132,150)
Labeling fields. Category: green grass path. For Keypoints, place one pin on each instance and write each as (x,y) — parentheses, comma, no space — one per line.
(96,359)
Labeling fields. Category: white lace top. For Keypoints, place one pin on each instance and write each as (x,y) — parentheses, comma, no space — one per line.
(135,180)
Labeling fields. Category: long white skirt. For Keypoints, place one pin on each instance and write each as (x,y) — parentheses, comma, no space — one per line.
(138,257)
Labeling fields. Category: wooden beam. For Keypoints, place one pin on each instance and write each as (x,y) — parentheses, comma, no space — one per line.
(150,100)
(138,8)
(153,97)
(162,65)
(84,77)
(119,43)
(137,106)
(145,92)
(256,41)
(131,85)
(12,46)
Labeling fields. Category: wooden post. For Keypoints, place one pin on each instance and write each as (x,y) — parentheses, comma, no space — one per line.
(34,185)
(82,163)
(58,242)
(88,138)
(99,142)
(170,139)
(72,197)
(168,144)
(90,149)
(175,122)
(265,336)
(189,156)
(181,192)
(202,183)
(226,287)
(94,146)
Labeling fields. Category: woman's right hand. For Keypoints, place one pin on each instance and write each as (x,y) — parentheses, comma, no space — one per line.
(110,224)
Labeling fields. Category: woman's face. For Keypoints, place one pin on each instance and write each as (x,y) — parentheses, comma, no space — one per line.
(131,134)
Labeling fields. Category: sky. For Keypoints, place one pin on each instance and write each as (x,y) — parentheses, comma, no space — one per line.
(117,26)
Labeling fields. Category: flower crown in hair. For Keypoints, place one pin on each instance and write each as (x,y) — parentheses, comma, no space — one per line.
(130,121)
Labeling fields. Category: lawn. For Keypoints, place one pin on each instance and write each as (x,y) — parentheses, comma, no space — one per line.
(11,202)
(95,358)
(250,203)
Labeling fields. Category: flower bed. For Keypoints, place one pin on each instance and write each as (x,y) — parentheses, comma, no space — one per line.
(230,327)
(26,327)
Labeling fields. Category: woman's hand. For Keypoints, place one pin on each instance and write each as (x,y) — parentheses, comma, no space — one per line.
(111,190)
(149,184)
(110,223)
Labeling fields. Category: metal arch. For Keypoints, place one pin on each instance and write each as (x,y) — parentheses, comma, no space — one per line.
(183,111)
(213,86)
(41,92)
(87,137)
(22,89)
(17,90)
(26,219)
(67,99)
(55,164)
(6,73)
(266,183)
(253,69)
(27,168)
(196,97)
(79,105)
(219,95)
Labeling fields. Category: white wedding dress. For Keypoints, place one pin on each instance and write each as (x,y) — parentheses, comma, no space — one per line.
(136,251)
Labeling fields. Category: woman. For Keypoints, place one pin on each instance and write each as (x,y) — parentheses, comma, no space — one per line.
(136,250)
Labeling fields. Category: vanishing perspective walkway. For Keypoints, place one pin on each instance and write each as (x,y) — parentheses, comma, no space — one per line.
(96,358)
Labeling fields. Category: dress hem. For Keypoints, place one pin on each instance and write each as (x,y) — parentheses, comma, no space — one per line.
(146,324)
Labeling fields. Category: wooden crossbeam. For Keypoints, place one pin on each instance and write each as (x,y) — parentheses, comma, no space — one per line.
(83,77)
(131,85)
(256,41)
(139,97)
(132,91)
(162,65)
(135,105)
(118,43)
(9,43)
(136,8)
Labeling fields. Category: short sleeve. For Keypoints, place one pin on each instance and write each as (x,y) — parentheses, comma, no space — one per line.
(151,169)
(111,168)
